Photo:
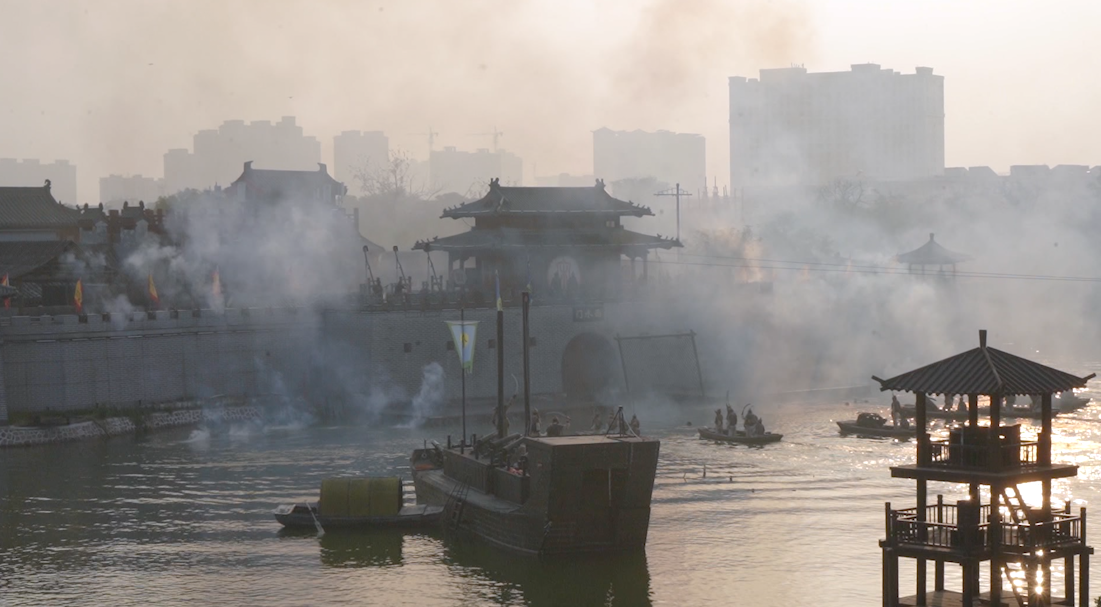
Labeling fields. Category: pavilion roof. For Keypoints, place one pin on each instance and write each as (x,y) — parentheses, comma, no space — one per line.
(932,254)
(508,200)
(496,238)
(984,370)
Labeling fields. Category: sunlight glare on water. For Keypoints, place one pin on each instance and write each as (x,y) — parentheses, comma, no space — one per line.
(184,517)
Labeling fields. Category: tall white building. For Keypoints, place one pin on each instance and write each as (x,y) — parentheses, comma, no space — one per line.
(355,151)
(218,155)
(790,127)
(666,157)
(33,172)
(452,170)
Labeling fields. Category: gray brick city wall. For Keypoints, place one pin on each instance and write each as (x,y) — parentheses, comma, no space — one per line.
(58,363)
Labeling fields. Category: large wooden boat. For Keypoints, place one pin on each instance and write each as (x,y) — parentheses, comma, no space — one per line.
(740,437)
(567,495)
(852,427)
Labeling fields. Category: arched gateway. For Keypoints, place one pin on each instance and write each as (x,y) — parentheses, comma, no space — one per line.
(588,366)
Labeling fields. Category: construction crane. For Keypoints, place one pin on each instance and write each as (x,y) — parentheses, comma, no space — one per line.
(495,134)
(431,138)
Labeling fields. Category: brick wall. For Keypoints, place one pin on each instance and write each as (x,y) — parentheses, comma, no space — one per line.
(59,363)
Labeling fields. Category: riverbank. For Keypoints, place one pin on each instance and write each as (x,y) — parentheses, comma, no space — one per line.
(26,436)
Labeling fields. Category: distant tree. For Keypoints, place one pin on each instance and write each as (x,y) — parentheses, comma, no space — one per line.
(395,180)
(843,193)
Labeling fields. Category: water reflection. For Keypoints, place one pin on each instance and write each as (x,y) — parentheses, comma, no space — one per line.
(621,580)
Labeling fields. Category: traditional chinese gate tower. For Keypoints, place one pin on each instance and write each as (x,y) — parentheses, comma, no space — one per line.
(1019,541)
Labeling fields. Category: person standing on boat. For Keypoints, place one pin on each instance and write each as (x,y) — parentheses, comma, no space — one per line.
(719,420)
(731,421)
(896,410)
(555,428)
(598,422)
(534,427)
(750,421)
(635,425)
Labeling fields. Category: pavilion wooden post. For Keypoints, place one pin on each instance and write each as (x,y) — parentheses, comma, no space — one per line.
(938,574)
(973,410)
(922,487)
(996,488)
(1044,459)
(1083,567)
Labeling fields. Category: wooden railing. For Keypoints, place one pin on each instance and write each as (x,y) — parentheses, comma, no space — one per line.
(942,529)
(1011,455)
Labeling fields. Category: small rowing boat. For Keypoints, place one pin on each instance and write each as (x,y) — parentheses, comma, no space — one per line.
(358,502)
(740,437)
(303,514)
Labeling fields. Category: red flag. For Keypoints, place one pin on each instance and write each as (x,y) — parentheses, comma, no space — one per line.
(78,297)
(153,293)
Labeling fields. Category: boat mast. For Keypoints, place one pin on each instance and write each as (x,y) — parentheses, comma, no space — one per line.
(500,370)
(462,373)
(526,299)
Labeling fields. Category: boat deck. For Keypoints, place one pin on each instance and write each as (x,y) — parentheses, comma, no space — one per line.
(448,486)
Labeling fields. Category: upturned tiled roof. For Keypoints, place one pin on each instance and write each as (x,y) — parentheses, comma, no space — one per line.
(984,370)
(30,208)
(508,200)
(932,254)
(559,238)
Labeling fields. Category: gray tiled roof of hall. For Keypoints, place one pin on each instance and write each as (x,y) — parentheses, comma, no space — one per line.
(504,200)
(23,208)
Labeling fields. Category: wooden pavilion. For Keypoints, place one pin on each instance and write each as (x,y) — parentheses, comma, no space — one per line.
(1019,541)
(932,254)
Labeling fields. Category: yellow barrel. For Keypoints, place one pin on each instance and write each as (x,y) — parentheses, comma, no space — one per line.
(361,497)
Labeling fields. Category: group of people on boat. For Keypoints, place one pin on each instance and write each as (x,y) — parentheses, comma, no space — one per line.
(754,425)
(616,424)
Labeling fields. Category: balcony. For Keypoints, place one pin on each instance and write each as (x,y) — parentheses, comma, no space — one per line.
(949,454)
(950,530)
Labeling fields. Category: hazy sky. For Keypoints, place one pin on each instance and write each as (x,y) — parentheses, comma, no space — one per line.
(111,85)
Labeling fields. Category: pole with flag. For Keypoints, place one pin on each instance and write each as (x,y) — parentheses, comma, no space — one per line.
(463,334)
(78,297)
(156,301)
(500,360)
(6,283)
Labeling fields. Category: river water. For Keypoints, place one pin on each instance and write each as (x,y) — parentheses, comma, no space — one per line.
(183,518)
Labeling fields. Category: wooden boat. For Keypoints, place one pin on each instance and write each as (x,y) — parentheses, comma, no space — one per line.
(1067,404)
(358,502)
(303,514)
(740,437)
(852,427)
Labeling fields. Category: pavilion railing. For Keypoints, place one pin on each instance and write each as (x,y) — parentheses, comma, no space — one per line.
(1010,454)
(942,530)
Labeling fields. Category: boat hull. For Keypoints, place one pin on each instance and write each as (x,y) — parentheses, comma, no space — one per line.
(303,515)
(851,427)
(740,438)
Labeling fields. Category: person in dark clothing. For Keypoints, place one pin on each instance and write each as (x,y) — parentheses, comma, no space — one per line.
(534,427)
(718,420)
(555,428)
(731,421)
(635,425)
(896,411)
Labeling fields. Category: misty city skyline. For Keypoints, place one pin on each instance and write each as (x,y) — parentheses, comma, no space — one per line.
(111,95)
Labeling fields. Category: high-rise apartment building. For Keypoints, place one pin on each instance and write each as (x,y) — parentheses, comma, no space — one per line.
(116,189)
(32,172)
(355,151)
(218,155)
(452,170)
(790,127)
(668,158)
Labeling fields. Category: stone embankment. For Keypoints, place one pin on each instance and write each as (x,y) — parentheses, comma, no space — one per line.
(23,436)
